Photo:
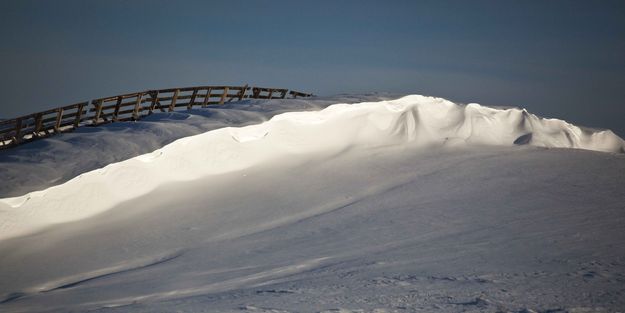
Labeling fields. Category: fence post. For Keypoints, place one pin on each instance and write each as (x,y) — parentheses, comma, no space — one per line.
(59,117)
(192,101)
(172,105)
(270,94)
(18,130)
(38,123)
(117,105)
(223,96)
(207,97)
(242,93)
(98,112)
(154,96)
(135,112)
(79,114)
(283,94)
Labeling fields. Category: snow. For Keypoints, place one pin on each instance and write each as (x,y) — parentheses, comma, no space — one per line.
(411,204)
(52,161)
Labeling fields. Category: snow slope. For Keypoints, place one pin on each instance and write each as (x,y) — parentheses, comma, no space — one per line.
(401,205)
(52,161)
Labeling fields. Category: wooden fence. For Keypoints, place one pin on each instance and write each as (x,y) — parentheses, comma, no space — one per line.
(128,107)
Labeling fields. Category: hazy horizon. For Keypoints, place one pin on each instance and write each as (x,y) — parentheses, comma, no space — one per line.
(561,59)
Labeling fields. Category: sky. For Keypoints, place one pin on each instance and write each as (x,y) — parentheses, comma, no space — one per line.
(561,59)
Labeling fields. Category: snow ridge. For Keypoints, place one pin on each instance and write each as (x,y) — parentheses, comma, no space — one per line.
(414,121)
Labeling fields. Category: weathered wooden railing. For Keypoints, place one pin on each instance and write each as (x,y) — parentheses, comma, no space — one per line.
(127,107)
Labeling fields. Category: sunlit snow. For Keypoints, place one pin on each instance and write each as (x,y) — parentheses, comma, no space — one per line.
(398,205)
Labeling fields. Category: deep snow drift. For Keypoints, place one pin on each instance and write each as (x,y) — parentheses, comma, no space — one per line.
(401,205)
(52,161)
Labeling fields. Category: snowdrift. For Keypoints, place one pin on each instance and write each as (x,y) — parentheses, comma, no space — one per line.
(414,121)
(52,161)
(412,204)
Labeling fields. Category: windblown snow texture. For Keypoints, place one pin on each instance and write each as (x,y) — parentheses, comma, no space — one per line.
(413,204)
(52,161)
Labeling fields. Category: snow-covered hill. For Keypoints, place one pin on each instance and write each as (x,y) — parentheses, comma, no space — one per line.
(413,204)
(52,161)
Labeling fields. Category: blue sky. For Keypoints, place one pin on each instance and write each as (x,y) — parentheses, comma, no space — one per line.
(562,59)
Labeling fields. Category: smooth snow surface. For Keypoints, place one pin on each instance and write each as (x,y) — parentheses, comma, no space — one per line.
(413,204)
(52,161)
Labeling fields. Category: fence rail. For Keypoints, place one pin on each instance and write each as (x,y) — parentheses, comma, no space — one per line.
(127,107)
